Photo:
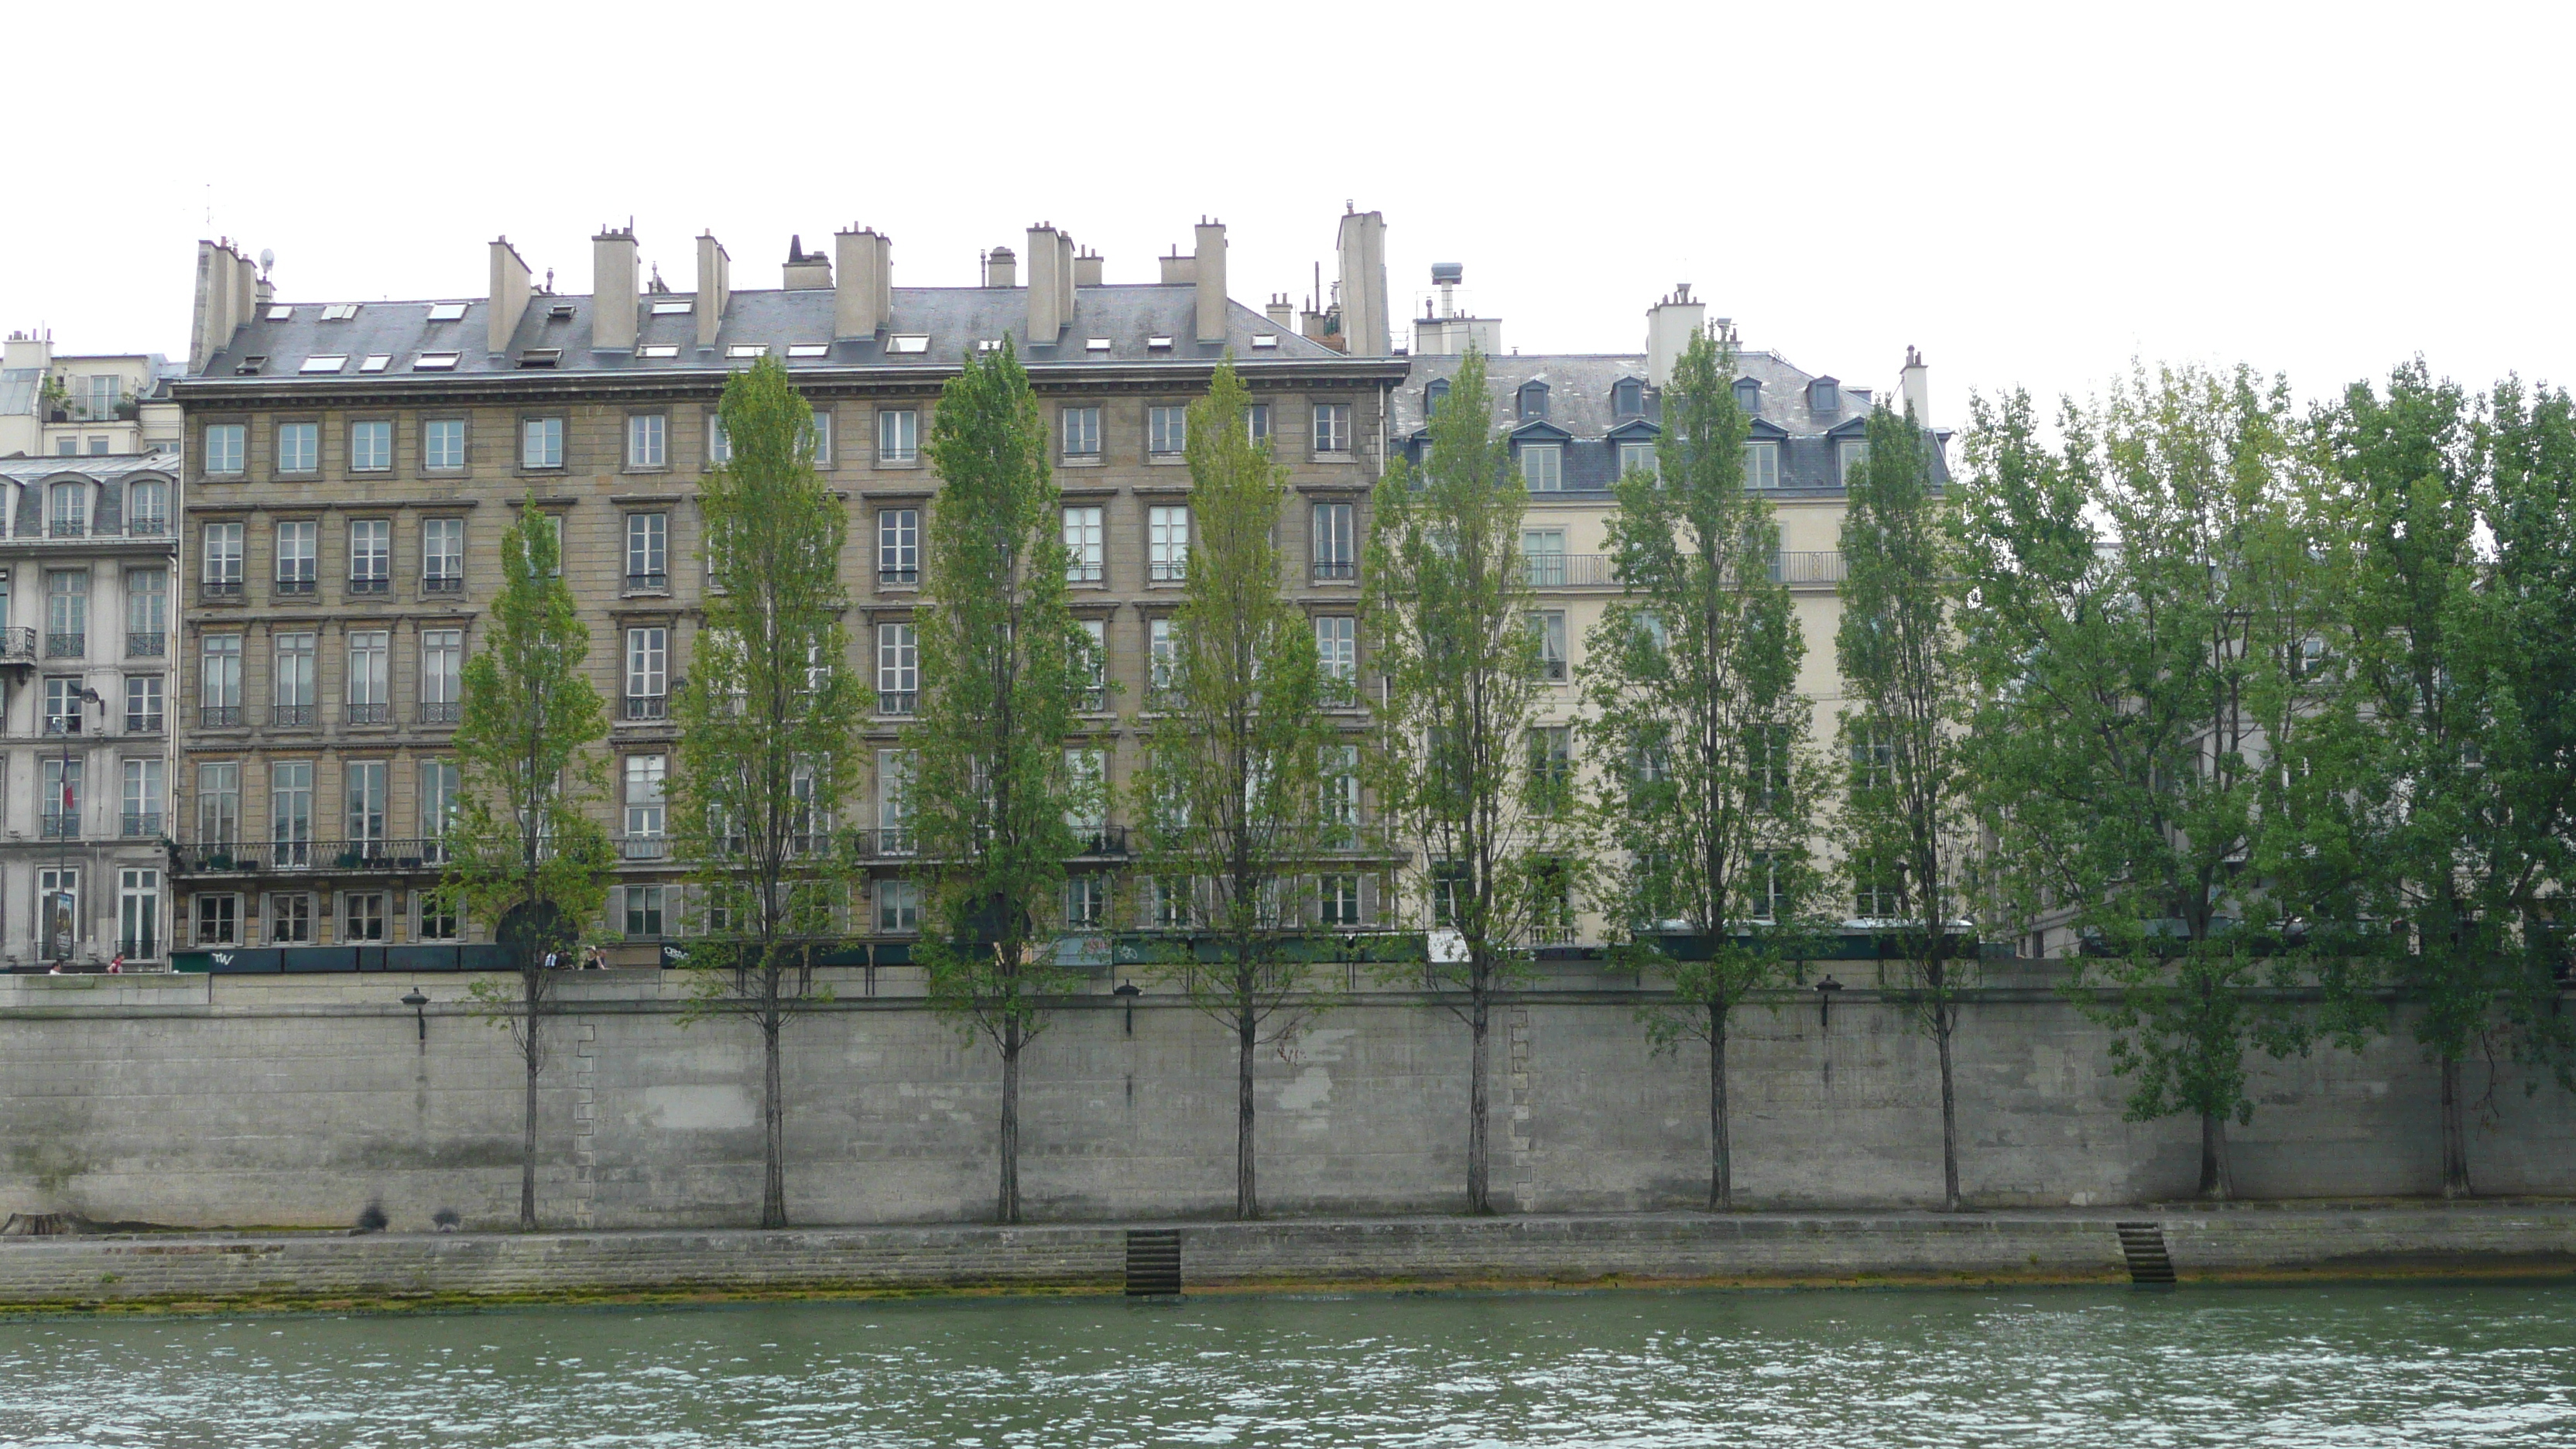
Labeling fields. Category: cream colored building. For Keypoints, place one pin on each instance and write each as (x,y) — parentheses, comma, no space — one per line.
(87,406)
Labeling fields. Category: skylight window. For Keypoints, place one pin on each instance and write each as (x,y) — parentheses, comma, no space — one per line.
(809,349)
(331,362)
(658,349)
(249,366)
(376,362)
(446,311)
(541,357)
(434,362)
(1265,339)
(747,349)
(673,309)
(1096,344)
(339,311)
(281,314)
(1159,344)
(908,342)
(989,344)
(561,311)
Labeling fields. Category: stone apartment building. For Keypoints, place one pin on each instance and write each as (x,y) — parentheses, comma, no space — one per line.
(353,465)
(1576,421)
(89,478)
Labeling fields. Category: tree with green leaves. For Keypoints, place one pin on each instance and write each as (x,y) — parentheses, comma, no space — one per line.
(991,792)
(2137,599)
(1242,770)
(2459,717)
(1449,614)
(1908,842)
(1705,813)
(523,850)
(768,746)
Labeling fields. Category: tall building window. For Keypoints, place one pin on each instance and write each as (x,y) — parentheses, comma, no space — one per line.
(541,443)
(219,803)
(61,799)
(442,675)
(1336,542)
(218,920)
(292,699)
(1337,655)
(437,916)
(1085,536)
(1086,902)
(370,699)
(898,435)
(1082,433)
(140,812)
(371,447)
(643,912)
(442,555)
(1339,900)
(147,508)
(644,807)
(441,785)
(1762,465)
(1532,401)
(299,447)
(143,704)
(290,811)
(1256,424)
(1639,458)
(362,916)
(1332,427)
(371,555)
(147,613)
(898,545)
(224,448)
(898,668)
(823,436)
(290,919)
(295,556)
(1167,431)
(645,440)
(223,551)
(138,912)
(64,705)
(1543,557)
(219,681)
(1547,627)
(1095,665)
(1342,795)
(442,444)
(1849,455)
(648,550)
(719,443)
(1162,660)
(363,795)
(66,613)
(898,907)
(648,680)
(1627,398)
(1543,467)
(1167,544)
(894,802)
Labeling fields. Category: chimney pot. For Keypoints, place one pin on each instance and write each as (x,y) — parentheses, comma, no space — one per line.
(715,287)
(1208,271)
(863,292)
(1362,244)
(1001,268)
(612,290)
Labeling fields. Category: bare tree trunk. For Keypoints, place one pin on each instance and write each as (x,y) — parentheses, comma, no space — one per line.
(773,1187)
(1008,1208)
(1721,1151)
(1944,1020)
(528,1125)
(1247,1200)
(2455,1139)
(1479,1198)
(2217,1179)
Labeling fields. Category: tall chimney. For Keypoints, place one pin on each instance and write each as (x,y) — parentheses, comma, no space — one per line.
(1001,268)
(862,289)
(1915,382)
(1670,326)
(216,317)
(715,287)
(1209,273)
(1178,270)
(249,288)
(1050,284)
(1363,294)
(805,271)
(612,290)
(1086,269)
(1282,314)
(509,297)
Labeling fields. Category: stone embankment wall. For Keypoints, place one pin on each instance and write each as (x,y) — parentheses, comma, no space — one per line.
(203,1101)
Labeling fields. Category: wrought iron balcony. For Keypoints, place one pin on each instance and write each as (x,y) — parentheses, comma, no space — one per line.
(894,575)
(1175,572)
(898,701)
(644,847)
(444,711)
(291,716)
(67,528)
(146,644)
(371,714)
(143,722)
(65,646)
(646,707)
(442,584)
(58,825)
(17,646)
(296,588)
(219,716)
(147,526)
(371,586)
(143,824)
(648,583)
(390,856)
(219,588)
(1336,571)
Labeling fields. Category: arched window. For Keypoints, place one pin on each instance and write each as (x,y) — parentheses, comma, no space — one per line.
(1628,398)
(1748,394)
(1825,395)
(1533,401)
(147,508)
(1434,395)
(67,505)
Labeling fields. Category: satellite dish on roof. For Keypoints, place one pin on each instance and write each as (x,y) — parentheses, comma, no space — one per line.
(267,259)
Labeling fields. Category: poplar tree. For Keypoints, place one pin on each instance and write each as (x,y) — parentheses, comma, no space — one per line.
(1449,616)
(990,792)
(1235,786)
(523,850)
(1707,803)
(2460,663)
(768,738)
(1905,833)
(2125,679)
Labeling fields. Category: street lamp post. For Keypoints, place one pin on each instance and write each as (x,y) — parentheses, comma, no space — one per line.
(420,1017)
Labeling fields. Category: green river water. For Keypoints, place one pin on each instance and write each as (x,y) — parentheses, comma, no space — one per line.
(2339,1365)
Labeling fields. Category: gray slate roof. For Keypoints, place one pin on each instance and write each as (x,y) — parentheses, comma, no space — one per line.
(955,319)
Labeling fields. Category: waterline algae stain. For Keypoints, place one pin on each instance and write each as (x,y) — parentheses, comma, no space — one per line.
(2342,1365)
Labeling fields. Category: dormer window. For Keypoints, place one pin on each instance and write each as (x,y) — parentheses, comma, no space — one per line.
(1434,395)
(1825,395)
(1748,395)
(1533,401)
(1628,398)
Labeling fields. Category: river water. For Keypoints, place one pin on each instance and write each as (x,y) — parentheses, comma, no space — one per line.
(2358,1366)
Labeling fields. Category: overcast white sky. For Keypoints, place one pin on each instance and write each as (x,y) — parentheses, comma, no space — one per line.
(2033,194)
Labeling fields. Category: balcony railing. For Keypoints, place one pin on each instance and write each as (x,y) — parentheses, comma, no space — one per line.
(147,527)
(65,646)
(898,701)
(17,646)
(143,824)
(62,724)
(648,583)
(646,706)
(443,584)
(146,644)
(58,825)
(1084,573)
(1169,573)
(219,588)
(371,586)
(296,588)
(394,856)
(291,716)
(1336,571)
(219,716)
(146,722)
(67,528)
(371,714)
(888,575)
(644,847)
(443,711)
